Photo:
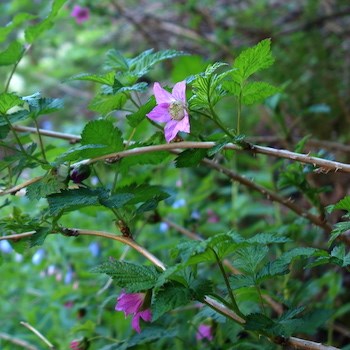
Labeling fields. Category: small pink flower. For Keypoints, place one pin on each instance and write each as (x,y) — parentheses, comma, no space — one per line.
(81,14)
(171,109)
(204,332)
(132,304)
(212,217)
(79,344)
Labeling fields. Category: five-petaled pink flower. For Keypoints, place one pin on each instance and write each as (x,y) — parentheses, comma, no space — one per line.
(132,304)
(204,332)
(171,109)
(81,14)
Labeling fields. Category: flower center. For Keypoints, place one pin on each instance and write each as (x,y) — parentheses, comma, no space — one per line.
(177,110)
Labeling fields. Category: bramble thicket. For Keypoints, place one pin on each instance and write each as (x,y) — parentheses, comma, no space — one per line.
(174,174)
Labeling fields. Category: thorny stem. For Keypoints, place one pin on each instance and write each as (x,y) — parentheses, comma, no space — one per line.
(229,289)
(15,134)
(239,111)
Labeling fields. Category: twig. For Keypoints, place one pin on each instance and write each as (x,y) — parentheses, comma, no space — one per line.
(58,135)
(17,341)
(323,164)
(269,194)
(15,189)
(38,334)
(307,344)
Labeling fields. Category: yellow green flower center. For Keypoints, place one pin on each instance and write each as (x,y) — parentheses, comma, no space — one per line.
(177,110)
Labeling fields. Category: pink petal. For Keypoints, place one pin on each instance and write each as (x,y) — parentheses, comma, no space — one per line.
(129,303)
(161,95)
(184,124)
(135,323)
(160,113)
(170,130)
(179,91)
(203,332)
(146,315)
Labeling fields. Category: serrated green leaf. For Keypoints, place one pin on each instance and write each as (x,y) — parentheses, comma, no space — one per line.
(104,104)
(256,92)
(82,152)
(115,60)
(343,204)
(339,229)
(9,100)
(248,259)
(102,132)
(268,238)
(218,147)
(168,299)
(39,236)
(74,199)
(49,184)
(190,158)
(148,335)
(207,87)
(143,63)
(258,322)
(42,105)
(253,60)
(117,200)
(107,78)
(12,54)
(15,117)
(241,281)
(132,277)
(136,118)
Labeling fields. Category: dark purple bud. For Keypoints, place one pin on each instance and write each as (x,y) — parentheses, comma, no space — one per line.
(80,173)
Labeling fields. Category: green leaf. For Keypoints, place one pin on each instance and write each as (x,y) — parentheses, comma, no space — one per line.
(117,200)
(14,117)
(115,60)
(107,78)
(147,336)
(4,130)
(102,132)
(253,60)
(339,229)
(136,118)
(39,236)
(241,281)
(42,105)
(132,277)
(74,199)
(104,104)
(207,87)
(143,63)
(257,92)
(343,204)
(218,147)
(258,322)
(15,23)
(9,100)
(33,32)
(268,238)
(12,54)
(49,184)
(168,299)
(248,259)
(190,158)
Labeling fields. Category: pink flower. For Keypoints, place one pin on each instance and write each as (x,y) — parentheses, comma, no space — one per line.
(204,332)
(132,304)
(79,344)
(81,14)
(171,109)
(212,217)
